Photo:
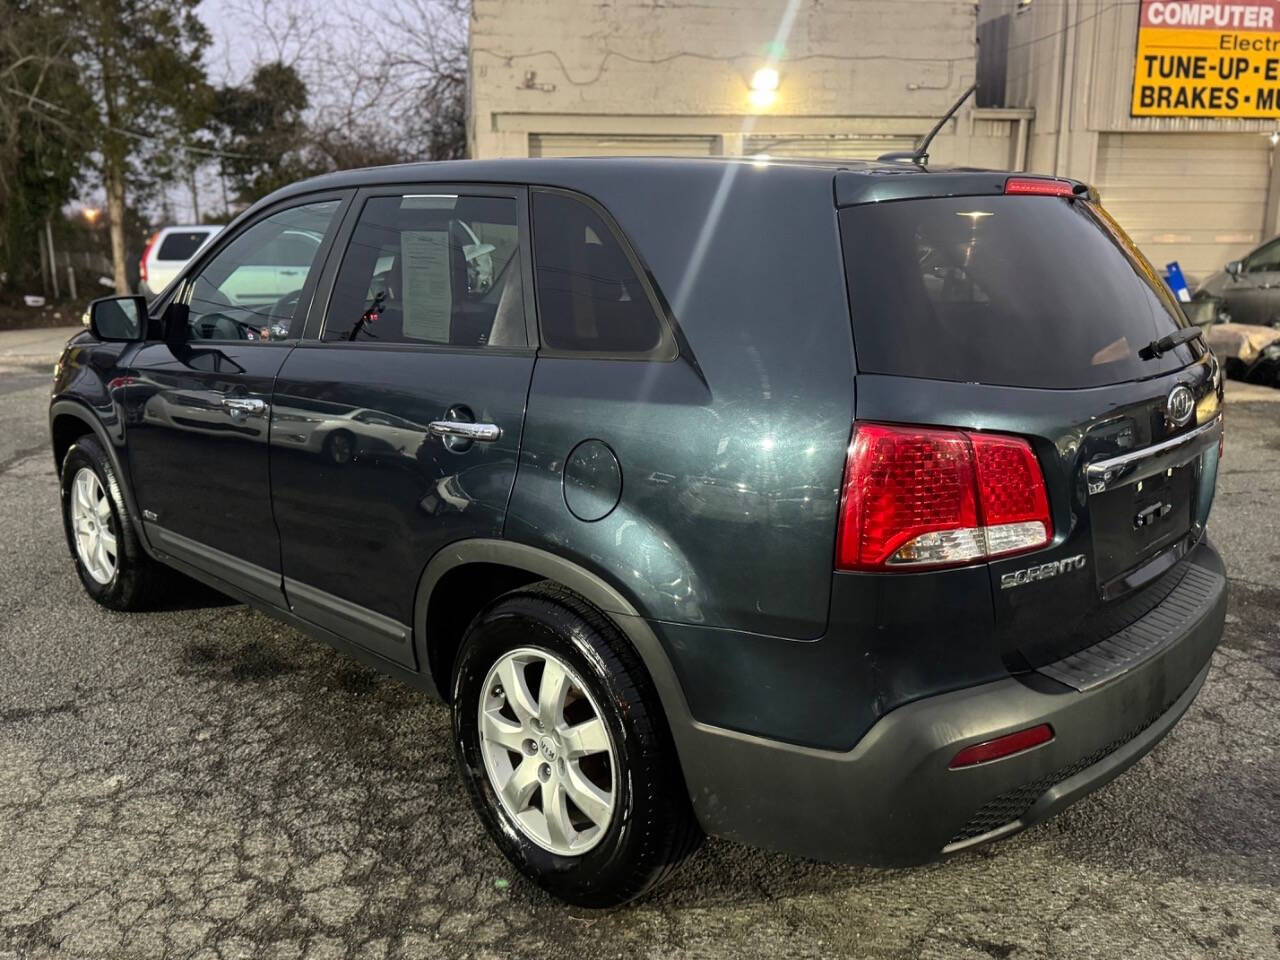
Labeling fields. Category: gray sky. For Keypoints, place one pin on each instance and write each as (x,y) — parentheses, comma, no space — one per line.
(241,40)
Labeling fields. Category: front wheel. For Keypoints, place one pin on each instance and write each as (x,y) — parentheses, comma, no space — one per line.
(565,750)
(109,559)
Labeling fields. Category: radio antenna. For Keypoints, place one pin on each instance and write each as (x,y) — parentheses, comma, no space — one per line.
(920,155)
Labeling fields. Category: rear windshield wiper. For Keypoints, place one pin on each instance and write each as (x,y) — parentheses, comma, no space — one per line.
(1158,348)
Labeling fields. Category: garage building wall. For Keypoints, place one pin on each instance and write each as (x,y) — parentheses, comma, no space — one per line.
(1195,190)
(857,78)
(1192,197)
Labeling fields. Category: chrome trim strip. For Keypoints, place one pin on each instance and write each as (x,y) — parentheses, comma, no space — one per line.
(1104,475)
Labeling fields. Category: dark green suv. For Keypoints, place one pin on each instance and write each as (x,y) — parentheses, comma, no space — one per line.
(852,510)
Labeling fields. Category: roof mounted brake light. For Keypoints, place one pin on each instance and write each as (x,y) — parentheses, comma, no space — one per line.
(1039,187)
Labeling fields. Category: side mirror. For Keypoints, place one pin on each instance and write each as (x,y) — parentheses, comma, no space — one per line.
(1235,268)
(119,319)
(173,322)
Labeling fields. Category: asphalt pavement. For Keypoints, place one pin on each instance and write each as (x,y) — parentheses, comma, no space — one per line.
(203,782)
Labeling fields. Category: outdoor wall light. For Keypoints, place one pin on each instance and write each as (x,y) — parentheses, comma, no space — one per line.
(766,78)
(764,88)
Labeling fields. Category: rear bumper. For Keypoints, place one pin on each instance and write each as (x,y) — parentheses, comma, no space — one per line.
(893,800)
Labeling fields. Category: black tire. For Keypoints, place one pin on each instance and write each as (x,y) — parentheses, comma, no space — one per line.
(138,579)
(653,830)
(340,447)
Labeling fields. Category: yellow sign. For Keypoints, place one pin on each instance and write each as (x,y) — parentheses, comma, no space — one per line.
(1208,59)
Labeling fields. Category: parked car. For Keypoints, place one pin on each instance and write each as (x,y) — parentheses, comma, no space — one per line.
(1249,288)
(167,251)
(817,506)
(345,433)
(1247,352)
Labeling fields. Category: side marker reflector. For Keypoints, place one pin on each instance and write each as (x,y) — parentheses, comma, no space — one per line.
(1002,746)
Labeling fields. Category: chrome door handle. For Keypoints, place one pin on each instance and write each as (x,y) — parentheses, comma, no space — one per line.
(465,430)
(245,406)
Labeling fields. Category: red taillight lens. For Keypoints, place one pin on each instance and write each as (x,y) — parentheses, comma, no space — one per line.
(923,496)
(1011,494)
(1003,746)
(146,251)
(1039,187)
(901,485)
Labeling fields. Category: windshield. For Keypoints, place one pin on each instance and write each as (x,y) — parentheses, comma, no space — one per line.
(1018,291)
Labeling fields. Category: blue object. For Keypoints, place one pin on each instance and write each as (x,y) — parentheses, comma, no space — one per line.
(1177,283)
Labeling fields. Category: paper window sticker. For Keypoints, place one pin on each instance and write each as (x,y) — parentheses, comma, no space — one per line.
(428,201)
(428,292)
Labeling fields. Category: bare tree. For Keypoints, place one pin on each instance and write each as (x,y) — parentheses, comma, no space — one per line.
(429,71)
(291,32)
(390,86)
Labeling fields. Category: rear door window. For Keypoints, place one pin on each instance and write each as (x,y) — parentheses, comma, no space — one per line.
(1019,291)
(181,244)
(431,269)
(590,295)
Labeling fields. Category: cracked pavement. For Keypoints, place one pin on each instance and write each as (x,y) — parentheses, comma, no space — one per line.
(203,782)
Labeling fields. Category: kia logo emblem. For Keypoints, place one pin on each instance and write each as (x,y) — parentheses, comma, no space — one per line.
(1180,405)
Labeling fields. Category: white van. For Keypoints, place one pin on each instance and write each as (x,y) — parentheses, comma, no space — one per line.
(168,251)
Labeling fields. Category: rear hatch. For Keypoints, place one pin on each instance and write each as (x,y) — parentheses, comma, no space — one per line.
(1033,315)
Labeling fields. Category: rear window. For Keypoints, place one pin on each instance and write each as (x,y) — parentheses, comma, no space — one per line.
(1019,291)
(181,244)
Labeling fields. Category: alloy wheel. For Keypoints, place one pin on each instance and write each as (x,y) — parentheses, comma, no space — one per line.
(91,526)
(547,752)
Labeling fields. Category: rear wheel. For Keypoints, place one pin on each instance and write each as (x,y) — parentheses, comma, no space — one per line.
(565,750)
(109,559)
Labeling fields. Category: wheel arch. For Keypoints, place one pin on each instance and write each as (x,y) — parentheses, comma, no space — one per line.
(72,419)
(525,564)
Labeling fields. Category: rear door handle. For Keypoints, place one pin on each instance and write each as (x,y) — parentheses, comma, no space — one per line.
(245,406)
(465,430)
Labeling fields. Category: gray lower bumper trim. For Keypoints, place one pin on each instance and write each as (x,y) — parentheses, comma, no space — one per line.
(1119,653)
(893,800)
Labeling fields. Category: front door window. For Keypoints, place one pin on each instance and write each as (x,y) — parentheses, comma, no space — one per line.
(251,289)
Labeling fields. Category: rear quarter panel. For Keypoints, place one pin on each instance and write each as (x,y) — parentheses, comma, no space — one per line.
(731,455)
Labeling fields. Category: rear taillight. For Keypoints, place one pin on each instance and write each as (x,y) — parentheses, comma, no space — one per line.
(146,251)
(1039,187)
(924,496)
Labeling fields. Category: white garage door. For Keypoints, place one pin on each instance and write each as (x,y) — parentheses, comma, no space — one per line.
(597,145)
(1196,198)
(840,147)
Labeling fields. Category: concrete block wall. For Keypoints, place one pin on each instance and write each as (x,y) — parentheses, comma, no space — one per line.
(684,66)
